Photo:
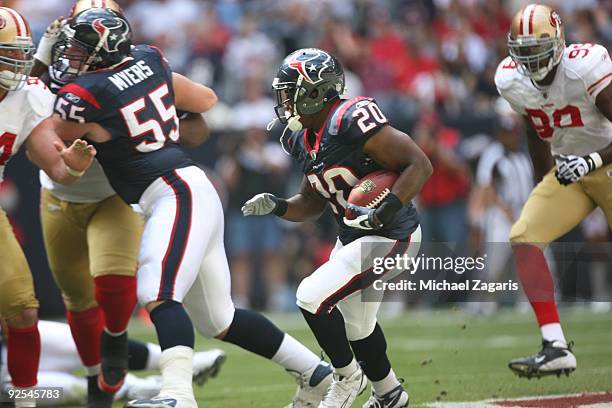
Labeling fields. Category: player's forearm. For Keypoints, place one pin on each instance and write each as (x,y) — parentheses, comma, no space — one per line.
(300,208)
(191,96)
(606,154)
(412,179)
(193,130)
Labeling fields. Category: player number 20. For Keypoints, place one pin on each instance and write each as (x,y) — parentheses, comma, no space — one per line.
(333,185)
(138,129)
(369,117)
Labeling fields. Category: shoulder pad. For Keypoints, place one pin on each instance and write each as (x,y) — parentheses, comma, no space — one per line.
(342,118)
(148,49)
(506,74)
(40,99)
(77,92)
(580,59)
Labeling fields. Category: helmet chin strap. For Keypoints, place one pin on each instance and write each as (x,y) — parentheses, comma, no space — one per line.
(294,124)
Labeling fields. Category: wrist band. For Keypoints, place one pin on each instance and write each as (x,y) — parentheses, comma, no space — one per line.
(73,172)
(596,160)
(281,206)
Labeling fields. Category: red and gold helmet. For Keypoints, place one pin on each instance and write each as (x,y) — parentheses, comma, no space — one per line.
(536,40)
(82,5)
(16,49)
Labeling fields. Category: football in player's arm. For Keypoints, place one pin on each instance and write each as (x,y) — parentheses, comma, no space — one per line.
(392,149)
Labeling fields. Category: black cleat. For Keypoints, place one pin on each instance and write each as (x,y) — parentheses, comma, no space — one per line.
(114,362)
(555,358)
(96,398)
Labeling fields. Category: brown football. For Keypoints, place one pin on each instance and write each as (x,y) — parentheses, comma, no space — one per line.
(372,189)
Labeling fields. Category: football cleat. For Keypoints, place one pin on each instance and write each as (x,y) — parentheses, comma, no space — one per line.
(96,398)
(135,388)
(555,358)
(207,364)
(396,398)
(312,386)
(343,390)
(113,362)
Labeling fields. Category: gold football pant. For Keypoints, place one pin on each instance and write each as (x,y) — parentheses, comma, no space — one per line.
(16,285)
(552,210)
(84,241)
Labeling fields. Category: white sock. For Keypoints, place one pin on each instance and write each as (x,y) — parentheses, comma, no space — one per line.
(294,356)
(92,370)
(552,331)
(347,370)
(176,366)
(386,384)
(154,355)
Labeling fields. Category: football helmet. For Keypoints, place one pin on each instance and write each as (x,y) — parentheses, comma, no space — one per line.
(536,40)
(95,38)
(82,5)
(16,50)
(306,81)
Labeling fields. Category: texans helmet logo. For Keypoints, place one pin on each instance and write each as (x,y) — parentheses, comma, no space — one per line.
(105,34)
(309,69)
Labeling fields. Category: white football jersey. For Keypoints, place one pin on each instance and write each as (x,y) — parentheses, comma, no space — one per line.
(92,187)
(564,113)
(20,112)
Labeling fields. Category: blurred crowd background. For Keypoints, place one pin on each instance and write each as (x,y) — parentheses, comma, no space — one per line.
(429,63)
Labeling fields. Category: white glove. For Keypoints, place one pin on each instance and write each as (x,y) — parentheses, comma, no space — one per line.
(572,168)
(48,40)
(261,204)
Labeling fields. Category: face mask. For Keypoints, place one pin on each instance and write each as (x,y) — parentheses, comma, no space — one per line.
(10,80)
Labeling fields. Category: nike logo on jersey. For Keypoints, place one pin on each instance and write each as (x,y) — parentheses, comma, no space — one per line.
(131,75)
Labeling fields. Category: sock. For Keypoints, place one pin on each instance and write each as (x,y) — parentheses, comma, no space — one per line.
(330,333)
(348,369)
(116,295)
(23,355)
(552,331)
(138,355)
(537,282)
(253,332)
(294,356)
(154,356)
(176,366)
(386,384)
(372,355)
(173,326)
(86,327)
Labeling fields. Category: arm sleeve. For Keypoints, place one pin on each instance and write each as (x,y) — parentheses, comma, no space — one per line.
(40,102)
(599,76)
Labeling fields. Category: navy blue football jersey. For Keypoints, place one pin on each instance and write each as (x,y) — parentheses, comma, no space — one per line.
(134,102)
(333,162)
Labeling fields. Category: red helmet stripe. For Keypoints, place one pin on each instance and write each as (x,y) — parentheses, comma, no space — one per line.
(521,23)
(20,25)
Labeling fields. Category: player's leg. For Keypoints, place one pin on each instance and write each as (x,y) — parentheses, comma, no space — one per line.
(19,307)
(66,247)
(551,211)
(175,238)
(598,186)
(346,273)
(113,236)
(211,308)
(370,346)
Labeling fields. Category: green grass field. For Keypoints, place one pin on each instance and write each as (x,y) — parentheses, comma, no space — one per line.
(443,355)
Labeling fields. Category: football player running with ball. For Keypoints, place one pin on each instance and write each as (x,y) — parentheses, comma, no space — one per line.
(565,97)
(25,109)
(123,100)
(337,142)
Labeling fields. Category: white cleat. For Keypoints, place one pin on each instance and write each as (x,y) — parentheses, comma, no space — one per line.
(136,388)
(163,401)
(207,364)
(312,386)
(343,390)
(396,398)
